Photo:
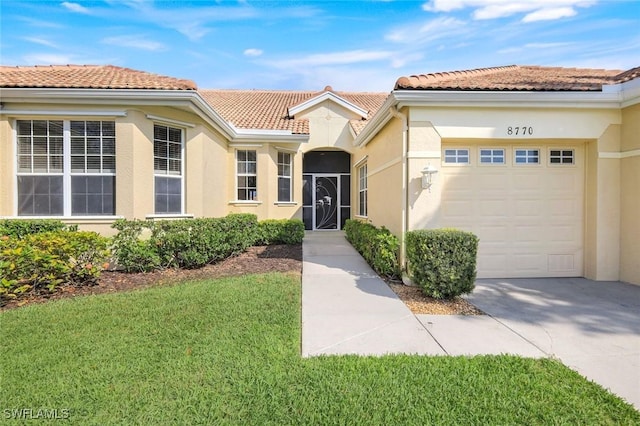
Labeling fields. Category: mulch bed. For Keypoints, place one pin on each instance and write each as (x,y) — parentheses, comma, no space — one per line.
(256,260)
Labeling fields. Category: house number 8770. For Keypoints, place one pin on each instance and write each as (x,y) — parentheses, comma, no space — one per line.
(520,131)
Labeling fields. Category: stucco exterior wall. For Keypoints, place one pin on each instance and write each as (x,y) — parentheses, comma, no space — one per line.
(7,167)
(630,196)
(328,127)
(384,178)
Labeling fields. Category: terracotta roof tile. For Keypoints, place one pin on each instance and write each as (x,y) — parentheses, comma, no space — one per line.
(516,78)
(88,77)
(267,109)
(631,74)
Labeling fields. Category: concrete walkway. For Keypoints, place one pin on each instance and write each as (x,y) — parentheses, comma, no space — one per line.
(591,327)
(348,309)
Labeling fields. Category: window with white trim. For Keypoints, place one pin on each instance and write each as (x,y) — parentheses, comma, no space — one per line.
(456,156)
(362,190)
(284,176)
(527,156)
(562,156)
(167,169)
(66,168)
(491,156)
(246,175)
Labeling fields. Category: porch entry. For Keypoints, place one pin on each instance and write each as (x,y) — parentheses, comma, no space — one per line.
(326,190)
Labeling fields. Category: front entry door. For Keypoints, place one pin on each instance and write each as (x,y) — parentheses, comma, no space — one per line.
(326,199)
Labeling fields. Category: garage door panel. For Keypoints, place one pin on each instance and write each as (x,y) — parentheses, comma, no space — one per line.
(496,208)
(492,234)
(457,208)
(492,182)
(564,207)
(529,218)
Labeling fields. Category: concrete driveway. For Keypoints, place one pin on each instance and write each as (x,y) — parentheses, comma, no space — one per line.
(593,327)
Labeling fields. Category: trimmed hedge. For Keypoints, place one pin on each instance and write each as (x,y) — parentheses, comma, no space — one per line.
(44,261)
(193,243)
(442,261)
(280,231)
(378,246)
(22,227)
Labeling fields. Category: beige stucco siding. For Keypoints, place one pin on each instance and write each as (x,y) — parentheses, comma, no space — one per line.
(630,196)
(7,167)
(328,127)
(384,169)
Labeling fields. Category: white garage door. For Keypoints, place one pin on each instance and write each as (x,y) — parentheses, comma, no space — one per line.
(525,203)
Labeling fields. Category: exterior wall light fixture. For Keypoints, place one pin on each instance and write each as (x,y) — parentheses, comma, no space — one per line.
(427,176)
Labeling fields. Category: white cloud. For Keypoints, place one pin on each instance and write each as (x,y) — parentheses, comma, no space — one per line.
(550,14)
(334,58)
(41,41)
(253,52)
(491,9)
(135,42)
(442,27)
(75,7)
(48,59)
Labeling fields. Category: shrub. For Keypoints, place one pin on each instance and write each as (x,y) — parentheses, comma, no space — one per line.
(378,246)
(44,261)
(187,243)
(22,227)
(131,253)
(442,261)
(280,231)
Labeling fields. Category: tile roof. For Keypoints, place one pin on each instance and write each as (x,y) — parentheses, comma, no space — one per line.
(88,77)
(518,78)
(267,109)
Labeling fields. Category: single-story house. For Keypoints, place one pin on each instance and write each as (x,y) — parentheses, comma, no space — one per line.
(542,163)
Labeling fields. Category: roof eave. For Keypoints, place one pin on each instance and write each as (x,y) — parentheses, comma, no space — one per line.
(614,97)
(303,106)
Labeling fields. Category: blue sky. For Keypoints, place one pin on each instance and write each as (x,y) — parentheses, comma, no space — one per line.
(350,45)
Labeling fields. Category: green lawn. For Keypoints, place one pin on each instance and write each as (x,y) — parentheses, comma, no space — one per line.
(228,351)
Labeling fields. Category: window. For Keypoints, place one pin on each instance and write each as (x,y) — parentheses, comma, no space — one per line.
(284,177)
(93,167)
(492,156)
(247,175)
(362,190)
(561,156)
(167,166)
(66,167)
(527,156)
(456,156)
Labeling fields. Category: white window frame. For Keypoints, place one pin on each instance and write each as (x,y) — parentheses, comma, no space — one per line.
(458,153)
(527,156)
(492,156)
(562,156)
(180,176)
(363,191)
(249,199)
(66,174)
(282,176)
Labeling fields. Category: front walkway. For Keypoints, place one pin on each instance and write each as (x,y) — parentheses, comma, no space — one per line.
(348,309)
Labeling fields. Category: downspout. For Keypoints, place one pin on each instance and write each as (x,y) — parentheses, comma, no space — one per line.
(405,187)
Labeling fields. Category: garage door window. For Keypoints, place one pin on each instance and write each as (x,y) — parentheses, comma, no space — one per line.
(561,156)
(491,156)
(527,156)
(456,156)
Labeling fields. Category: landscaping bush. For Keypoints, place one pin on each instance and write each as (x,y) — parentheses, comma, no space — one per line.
(280,231)
(378,246)
(442,261)
(187,243)
(44,261)
(22,227)
(130,251)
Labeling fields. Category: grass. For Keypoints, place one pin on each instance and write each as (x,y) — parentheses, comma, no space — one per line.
(228,352)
